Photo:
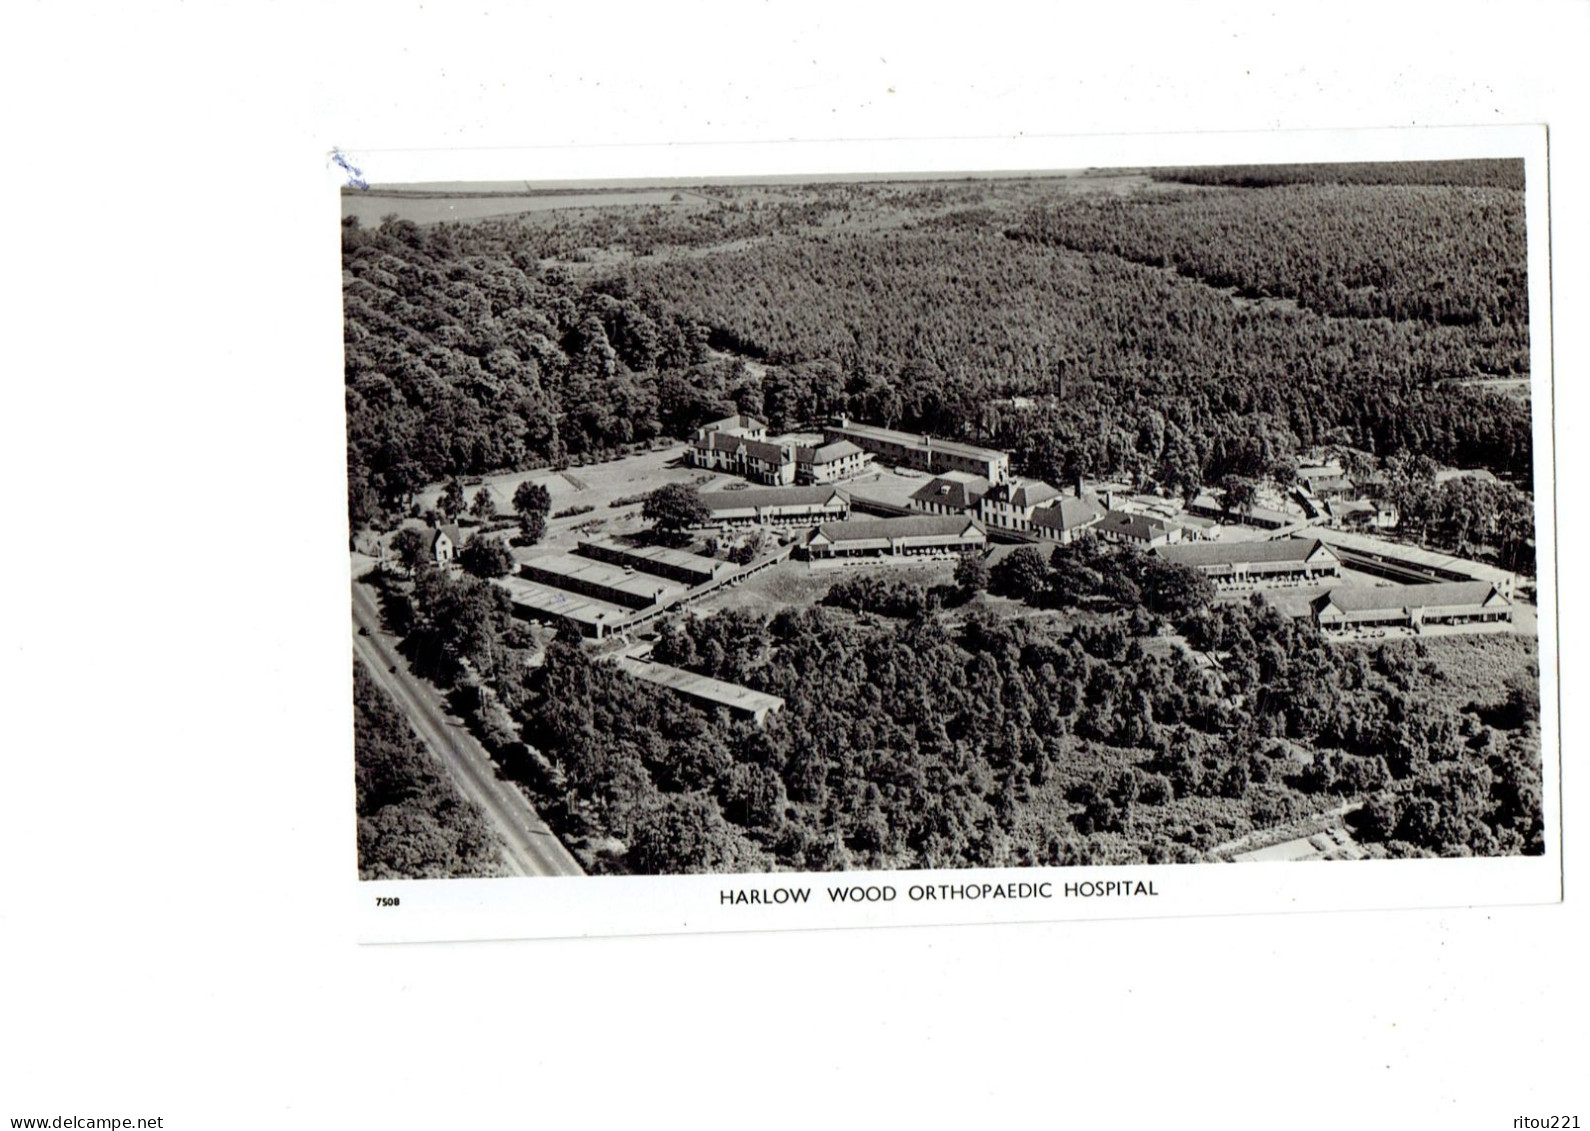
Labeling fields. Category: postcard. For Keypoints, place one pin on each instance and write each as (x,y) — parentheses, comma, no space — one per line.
(857,535)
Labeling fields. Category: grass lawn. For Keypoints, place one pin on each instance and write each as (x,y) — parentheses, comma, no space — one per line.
(595,485)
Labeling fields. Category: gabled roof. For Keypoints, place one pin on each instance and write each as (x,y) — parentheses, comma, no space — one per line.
(757,449)
(957,489)
(772,497)
(1024,493)
(882,529)
(1454,594)
(1136,526)
(1412,555)
(1238,553)
(454,535)
(839,449)
(1067,513)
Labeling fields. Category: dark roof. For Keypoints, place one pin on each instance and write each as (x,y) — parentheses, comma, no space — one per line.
(1364,598)
(1234,553)
(454,535)
(956,489)
(1068,513)
(771,497)
(1135,525)
(728,442)
(1023,492)
(915,526)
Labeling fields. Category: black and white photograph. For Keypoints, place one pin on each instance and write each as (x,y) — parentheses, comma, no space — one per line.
(1100,516)
(795,564)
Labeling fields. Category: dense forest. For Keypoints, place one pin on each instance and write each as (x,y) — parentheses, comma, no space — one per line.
(1151,725)
(413,825)
(1008,743)
(1505,173)
(1178,329)
(1177,336)
(1441,256)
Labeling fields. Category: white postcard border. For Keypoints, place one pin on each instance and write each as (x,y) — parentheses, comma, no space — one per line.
(560,907)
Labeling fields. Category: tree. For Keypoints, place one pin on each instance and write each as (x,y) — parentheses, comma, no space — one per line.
(746,552)
(685,832)
(1021,574)
(675,506)
(482,507)
(1240,494)
(1174,591)
(971,573)
(533,502)
(486,557)
(409,546)
(451,500)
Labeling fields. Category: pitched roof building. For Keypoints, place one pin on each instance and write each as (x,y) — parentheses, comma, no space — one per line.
(913,535)
(954,492)
(1009,504)
(1411,606)
(829,462)
(1136,529)
(1066,519)
(1285,560)
(737,425)
(923,453)
(444,542)
(778,505)
(729,450)
(1402,562)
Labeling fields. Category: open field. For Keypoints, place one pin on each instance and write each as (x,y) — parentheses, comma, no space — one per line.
(794,584)
(1515,387)
(597,486)
(431,208)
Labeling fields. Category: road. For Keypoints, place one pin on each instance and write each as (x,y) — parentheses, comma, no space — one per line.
(529,847)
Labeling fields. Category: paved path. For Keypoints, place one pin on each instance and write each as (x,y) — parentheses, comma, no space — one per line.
(529,847)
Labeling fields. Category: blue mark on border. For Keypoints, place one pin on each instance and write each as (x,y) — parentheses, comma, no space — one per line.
(355,174)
